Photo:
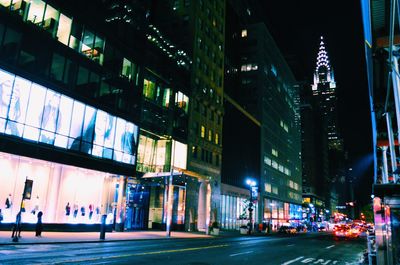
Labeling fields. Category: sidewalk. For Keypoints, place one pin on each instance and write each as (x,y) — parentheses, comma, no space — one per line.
(75,237)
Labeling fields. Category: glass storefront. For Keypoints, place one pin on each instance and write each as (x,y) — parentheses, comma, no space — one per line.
(278,213)
(234,212)
(65,194)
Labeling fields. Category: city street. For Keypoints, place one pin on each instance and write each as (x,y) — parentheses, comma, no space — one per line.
(318,248)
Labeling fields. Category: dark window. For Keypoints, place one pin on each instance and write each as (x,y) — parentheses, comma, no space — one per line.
(57,67)
(2,29)
(11,44)
(69,72)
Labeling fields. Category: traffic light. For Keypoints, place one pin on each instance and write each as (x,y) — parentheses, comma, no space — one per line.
(28,189)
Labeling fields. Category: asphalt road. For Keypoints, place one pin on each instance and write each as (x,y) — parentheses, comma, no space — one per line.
(284,250)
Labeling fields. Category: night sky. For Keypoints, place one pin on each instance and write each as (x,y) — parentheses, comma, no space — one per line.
(296,27)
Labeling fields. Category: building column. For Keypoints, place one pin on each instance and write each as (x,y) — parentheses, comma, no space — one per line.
(204,206)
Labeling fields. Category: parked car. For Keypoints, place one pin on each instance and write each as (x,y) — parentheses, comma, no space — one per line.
(287,230)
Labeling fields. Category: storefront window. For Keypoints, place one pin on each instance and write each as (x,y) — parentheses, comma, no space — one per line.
(61,192)
(36,11)
(87,44)
(5,3)
(51,17)
(166,97)
(98,50)
(149,89)
(63,122)
(129,70)
(178,215)
(182,101)
(76,36)
(64,29)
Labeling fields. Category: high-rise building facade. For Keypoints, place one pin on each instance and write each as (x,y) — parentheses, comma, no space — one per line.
(324,92)
(324,174)
(96,113)
(263,126)
(202,31)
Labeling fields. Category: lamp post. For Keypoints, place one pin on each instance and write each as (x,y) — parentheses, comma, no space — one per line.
(252,185)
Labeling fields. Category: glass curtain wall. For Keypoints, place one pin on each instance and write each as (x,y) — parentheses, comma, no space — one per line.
(60,121)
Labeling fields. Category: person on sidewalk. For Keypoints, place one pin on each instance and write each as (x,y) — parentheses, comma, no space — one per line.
(39,225)
(17,227)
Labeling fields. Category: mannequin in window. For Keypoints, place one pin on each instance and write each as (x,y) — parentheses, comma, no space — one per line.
(67,209)
(36,207)
(10,106)
(90,211)
(50,119)
(8,202)
(75,210)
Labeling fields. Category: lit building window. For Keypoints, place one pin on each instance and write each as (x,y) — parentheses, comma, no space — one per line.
(267,187)
(275,190)
(182,101)
(216,138)
(209,135)
(244,33)
(248,67)
(274,164)
(274,152)
(203,132)
(267,160)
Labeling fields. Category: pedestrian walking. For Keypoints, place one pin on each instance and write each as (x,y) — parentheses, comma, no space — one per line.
(39,225)
(17,227)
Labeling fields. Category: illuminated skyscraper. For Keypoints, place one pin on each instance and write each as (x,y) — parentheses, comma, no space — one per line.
(324,174)
(324,92)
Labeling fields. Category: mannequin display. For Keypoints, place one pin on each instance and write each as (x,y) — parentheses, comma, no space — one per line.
(8,202)
(90,211)
(75,210)
(36,207)
(67,209)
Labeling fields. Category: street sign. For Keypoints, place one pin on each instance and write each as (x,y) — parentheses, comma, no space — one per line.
(254,193)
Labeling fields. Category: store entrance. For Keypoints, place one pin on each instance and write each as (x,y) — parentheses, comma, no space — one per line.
(137,207)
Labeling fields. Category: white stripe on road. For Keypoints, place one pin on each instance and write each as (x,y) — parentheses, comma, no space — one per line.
(293,260)
(330,247)
(242,253)
(290,245)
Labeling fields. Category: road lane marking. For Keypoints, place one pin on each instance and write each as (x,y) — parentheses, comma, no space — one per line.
(290,245)
(331,246)
(323,262)
(142,254)
(241,253)
(292,261)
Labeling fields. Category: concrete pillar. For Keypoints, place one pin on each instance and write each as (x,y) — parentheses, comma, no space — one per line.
(202,206)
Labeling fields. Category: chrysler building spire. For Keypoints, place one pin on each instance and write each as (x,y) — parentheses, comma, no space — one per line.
(323,71)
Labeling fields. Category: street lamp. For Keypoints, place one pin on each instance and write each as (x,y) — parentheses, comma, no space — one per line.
(253,188)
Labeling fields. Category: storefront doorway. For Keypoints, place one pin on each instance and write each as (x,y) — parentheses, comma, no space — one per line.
(137,207)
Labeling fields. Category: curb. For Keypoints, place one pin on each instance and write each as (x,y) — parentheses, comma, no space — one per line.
(95,241)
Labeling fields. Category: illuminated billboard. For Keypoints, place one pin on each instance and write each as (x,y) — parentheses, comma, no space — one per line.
(36,113)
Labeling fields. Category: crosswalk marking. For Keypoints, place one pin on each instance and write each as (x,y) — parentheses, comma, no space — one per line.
(292,261)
